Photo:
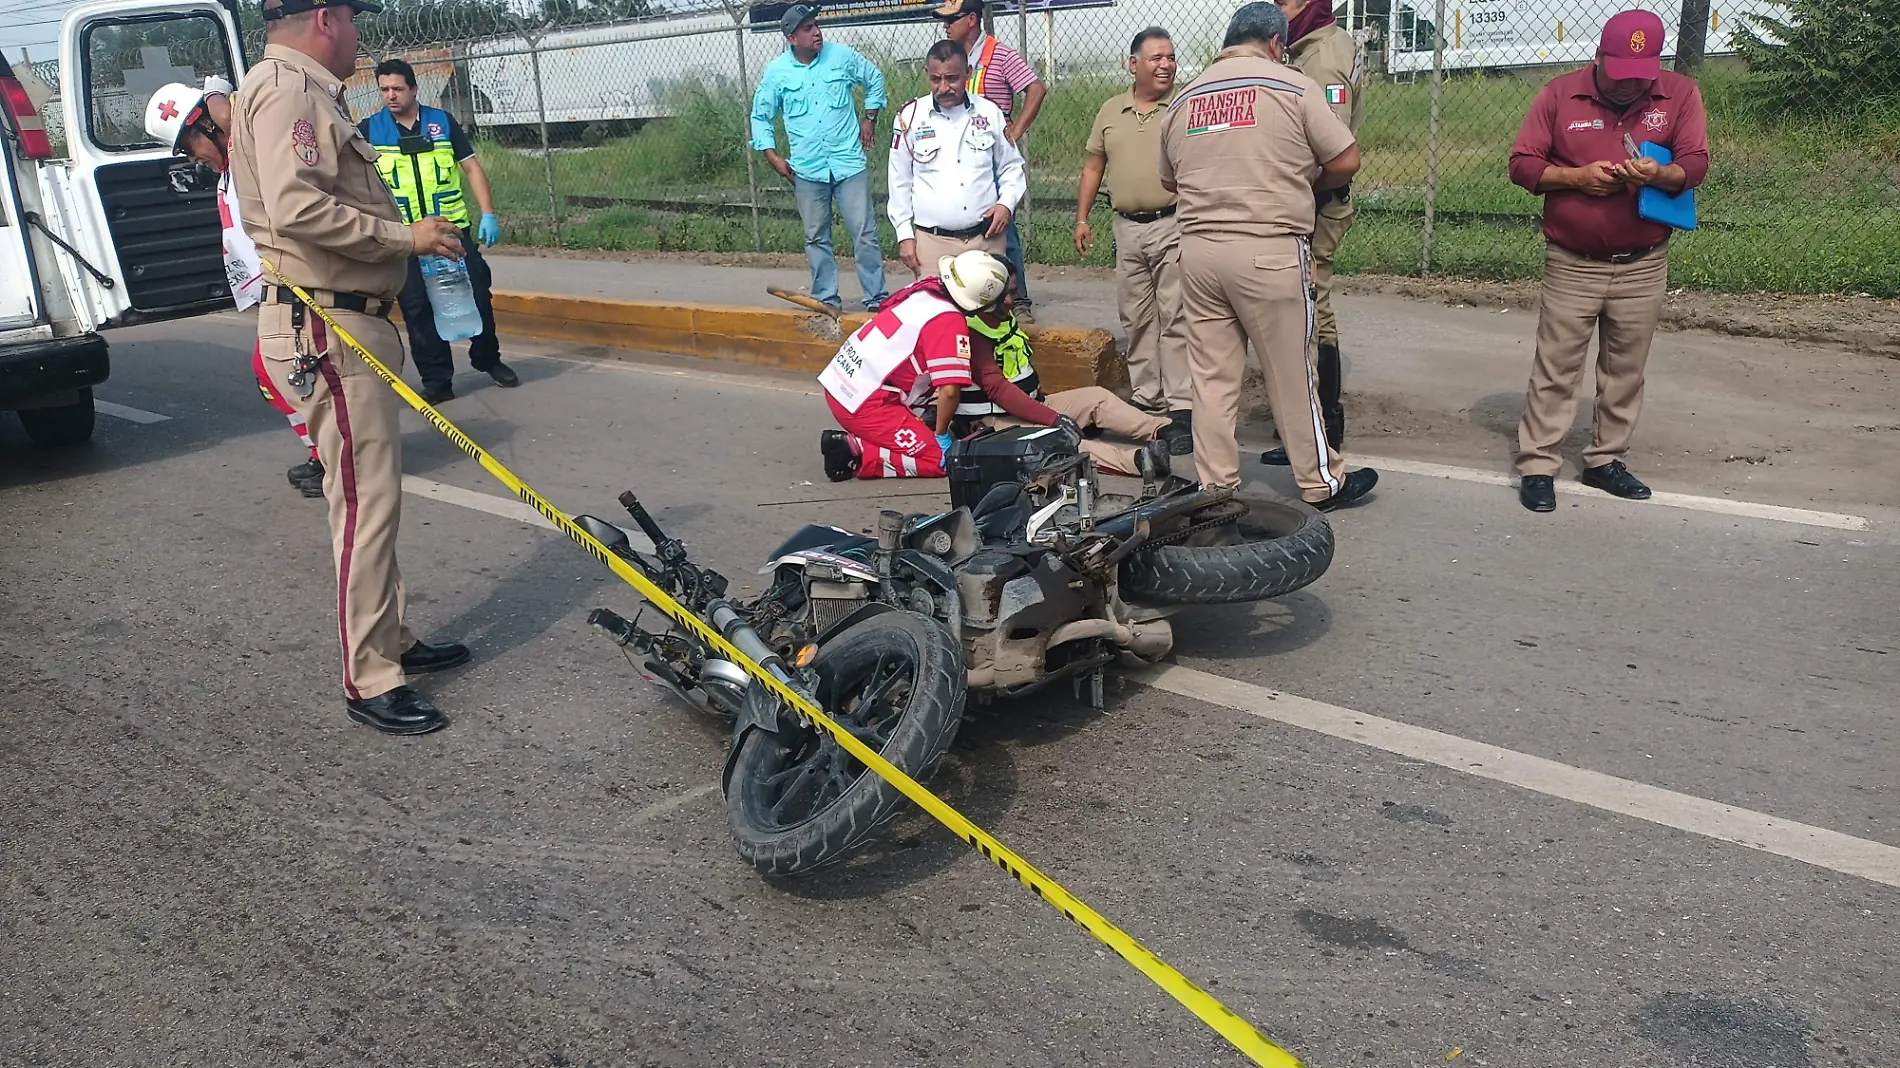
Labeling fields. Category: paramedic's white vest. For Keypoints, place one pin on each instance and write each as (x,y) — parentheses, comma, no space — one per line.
(869,356)
(243,267)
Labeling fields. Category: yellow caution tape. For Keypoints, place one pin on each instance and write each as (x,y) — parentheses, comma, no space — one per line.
(1229,1024)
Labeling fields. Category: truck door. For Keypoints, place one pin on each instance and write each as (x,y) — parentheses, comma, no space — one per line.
(143,221)
(24,138)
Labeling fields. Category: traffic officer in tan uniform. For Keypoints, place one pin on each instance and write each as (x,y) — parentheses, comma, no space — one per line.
(311,199)
(1124,143)
(1244,147)
(1318,47)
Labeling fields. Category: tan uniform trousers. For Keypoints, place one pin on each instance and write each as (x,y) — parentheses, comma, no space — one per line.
(1329,229)
(931,248)
(1148,296)
(352,417)
(1254,289)
(1093,406)
(1618,303)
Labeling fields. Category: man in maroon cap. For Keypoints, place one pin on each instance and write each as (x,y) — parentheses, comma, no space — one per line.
(1605,268)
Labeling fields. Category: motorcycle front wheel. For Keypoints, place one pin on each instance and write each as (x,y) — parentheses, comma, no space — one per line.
(797,801)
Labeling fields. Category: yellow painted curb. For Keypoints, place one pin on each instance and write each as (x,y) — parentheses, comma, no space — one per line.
(787,339)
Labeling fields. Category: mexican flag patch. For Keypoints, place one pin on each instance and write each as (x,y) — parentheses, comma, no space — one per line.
(1335,94)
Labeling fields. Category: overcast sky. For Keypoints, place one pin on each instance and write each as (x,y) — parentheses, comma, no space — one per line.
(33,23)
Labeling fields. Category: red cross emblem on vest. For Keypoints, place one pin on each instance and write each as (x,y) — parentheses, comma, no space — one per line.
(168,110)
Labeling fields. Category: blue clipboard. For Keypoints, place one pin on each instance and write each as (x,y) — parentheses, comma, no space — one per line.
(1677,211)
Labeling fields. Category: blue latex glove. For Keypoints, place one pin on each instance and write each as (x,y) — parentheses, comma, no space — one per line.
(944,441)
(489,231)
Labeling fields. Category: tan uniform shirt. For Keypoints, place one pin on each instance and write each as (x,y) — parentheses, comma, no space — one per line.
(1330,57)
(1243,144)
(307,185)
(1128,137)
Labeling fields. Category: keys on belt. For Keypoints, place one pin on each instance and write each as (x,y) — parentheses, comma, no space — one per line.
(303,366)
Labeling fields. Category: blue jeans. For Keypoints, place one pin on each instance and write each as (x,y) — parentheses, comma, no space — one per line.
(1013,248)
(853,196)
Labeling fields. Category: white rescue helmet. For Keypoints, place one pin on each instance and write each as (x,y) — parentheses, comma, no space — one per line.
(176,107)
(975,279)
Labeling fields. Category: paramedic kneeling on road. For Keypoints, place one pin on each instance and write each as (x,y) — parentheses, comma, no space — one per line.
(914,352)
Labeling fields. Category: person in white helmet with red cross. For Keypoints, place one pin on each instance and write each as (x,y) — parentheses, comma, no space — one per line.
(895,384)
(195,123)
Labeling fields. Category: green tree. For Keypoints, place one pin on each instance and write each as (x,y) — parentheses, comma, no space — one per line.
(1826,56)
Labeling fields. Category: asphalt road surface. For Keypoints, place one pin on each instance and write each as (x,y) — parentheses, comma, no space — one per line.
(203,862)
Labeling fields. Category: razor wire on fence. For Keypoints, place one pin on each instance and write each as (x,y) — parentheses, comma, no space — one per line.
(623,125)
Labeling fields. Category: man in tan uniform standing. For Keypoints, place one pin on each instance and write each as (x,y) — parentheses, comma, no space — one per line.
(1124,145)
(311,199)
(1318,47)
(1244,147)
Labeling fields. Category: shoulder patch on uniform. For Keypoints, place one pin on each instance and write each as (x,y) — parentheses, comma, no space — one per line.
(963,345)
(303,137)
(1335,94)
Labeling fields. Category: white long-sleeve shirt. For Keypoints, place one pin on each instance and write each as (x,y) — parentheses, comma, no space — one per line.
(949,167)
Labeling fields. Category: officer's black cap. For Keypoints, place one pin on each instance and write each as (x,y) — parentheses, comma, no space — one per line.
(298,7)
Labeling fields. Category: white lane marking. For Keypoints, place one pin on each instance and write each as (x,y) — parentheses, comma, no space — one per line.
(1687,501)
(506,507)
(1718,505)
(1818,846)
(1712,819)
(130,415)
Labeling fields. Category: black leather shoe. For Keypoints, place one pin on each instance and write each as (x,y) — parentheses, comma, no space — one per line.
(1358,484)
(841,464)
(504,375)
(305,471)
(1538,493)
(437,394)
(1275,457)
(311,487)
(400,711)
(1179,433)
(1335,422)
(422,658)
(1615,479)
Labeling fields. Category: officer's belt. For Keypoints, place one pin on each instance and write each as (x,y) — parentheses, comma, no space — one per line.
(380,307)
(957,235)
(1147,216)
(1629,256)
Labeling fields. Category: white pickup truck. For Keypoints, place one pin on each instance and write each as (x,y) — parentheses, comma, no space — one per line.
(117,232)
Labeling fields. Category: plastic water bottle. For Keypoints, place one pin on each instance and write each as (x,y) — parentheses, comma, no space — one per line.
(451,297)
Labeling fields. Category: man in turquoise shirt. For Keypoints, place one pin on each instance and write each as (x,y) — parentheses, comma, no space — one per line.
(810,85)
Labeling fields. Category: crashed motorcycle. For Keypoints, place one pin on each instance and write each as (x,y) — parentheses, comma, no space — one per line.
(1036,575)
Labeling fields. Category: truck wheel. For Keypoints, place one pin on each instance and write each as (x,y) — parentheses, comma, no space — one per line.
(67,424)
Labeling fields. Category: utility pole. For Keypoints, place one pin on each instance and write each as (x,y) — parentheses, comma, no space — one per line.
(1692,36)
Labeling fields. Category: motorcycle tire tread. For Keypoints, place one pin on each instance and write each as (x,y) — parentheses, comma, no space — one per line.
(1296,552)
(916,748)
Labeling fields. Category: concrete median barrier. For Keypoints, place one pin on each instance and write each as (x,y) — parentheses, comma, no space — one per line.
(787,339)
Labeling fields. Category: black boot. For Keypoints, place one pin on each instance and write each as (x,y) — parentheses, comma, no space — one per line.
(1179,433)
(1332,412)
(841,464)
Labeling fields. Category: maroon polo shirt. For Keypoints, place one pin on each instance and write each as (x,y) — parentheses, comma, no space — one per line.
(1569,125)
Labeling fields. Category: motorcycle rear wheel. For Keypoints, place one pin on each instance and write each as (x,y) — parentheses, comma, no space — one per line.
(797,801)
(1278,547)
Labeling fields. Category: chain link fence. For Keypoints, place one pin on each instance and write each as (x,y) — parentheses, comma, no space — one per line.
(620,126)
